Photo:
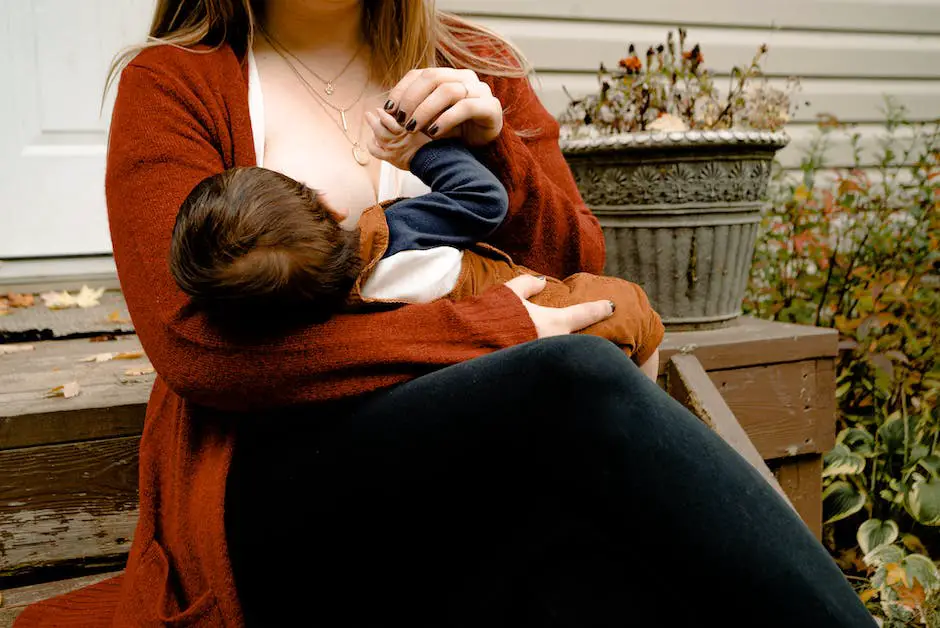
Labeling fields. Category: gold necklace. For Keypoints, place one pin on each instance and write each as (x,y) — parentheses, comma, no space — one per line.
(313,92)
(329,85)
(359,154)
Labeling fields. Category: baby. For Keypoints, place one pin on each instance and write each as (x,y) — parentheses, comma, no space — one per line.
(257,240)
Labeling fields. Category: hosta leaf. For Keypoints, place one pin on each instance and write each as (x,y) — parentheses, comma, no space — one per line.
(922,569)
(841,500)
(857,439)
(840,460)
(891,435)
(874,533)
(884,555)
(923,501)
(919,451)
(930,464)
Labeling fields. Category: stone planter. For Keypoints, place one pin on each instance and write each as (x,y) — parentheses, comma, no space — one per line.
(680,213)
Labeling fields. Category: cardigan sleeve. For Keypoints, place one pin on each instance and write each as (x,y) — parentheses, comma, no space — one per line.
(549,228)
(168,132)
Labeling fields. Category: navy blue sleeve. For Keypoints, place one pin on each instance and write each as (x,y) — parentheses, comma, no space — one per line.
(467,203)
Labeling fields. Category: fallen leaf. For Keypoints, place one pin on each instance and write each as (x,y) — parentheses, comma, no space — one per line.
(866,596)
(912,597)
(115,317)
(72,389)
(86,297)
(105,357)
(7,349)
(98,357)
(896,574)
(20,300)
(103,338)
(145,370)
(129,355)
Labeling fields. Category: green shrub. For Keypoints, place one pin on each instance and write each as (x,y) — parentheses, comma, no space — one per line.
(858,249)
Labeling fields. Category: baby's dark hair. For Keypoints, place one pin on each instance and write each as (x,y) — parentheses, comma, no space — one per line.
(253,238)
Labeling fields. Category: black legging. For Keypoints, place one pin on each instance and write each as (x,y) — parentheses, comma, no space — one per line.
(551,484)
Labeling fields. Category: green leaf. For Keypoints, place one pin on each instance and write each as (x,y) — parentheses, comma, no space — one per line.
(919,451)
(874,533)
(891,435)
(923,501)
(884,555)
(858,439)
(922,569)
(840,460)
(931,464)
(841,500)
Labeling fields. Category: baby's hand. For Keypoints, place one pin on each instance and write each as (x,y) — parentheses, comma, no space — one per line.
(390,142)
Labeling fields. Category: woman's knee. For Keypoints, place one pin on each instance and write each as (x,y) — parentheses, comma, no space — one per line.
(589,363)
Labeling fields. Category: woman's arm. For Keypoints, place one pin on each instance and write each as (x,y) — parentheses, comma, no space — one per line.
(167,134)
(549,228)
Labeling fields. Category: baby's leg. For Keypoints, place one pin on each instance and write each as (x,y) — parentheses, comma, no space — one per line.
(635,326)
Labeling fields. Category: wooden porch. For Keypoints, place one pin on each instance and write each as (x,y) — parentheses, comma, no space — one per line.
(68,466)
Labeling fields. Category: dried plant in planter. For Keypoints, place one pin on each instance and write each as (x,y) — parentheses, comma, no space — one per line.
(671,90)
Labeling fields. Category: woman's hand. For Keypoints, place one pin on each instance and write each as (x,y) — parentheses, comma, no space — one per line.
(552,321)
(446,102)
(390,142)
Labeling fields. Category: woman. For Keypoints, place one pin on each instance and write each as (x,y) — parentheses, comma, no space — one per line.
(445,464)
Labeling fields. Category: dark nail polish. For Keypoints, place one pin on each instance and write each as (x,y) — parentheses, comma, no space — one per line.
(432,130)
(613,307)
(400,116)
(411,125)
(388,105)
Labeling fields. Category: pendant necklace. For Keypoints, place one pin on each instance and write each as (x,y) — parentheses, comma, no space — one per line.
(360,154)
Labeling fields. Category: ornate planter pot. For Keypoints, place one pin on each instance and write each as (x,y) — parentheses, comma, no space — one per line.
(680,213)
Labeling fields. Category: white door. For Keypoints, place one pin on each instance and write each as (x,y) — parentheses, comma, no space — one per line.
(54,57)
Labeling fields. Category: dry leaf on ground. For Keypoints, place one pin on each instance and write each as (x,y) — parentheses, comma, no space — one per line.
(86,297)
(103,338)
(115,317)
(106,357)
(72,389)
(137,376)
(144,370)
(15,299)
(7,349)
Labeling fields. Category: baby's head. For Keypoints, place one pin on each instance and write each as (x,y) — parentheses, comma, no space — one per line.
(254,238)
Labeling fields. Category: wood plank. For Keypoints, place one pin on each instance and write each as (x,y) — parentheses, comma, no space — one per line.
(690,385)
(891,16)
(16,600)
(109,404)
(575,46)
(67,503)
(750,342)
(801,478)
(40,323)
(781,407)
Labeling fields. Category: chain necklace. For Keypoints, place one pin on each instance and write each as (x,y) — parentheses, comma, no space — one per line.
(329,85)
(359,154)
(313,92)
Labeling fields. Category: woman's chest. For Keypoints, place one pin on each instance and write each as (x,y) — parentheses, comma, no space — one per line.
(312,146)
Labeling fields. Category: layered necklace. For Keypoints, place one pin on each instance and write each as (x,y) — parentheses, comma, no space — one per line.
(360,154)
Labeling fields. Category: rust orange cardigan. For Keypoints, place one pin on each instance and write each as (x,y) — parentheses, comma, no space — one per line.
(179,117)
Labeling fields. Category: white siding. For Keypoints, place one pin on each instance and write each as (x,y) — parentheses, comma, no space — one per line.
(849,54)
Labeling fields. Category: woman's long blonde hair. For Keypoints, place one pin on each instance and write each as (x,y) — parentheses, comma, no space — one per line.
(404,34)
